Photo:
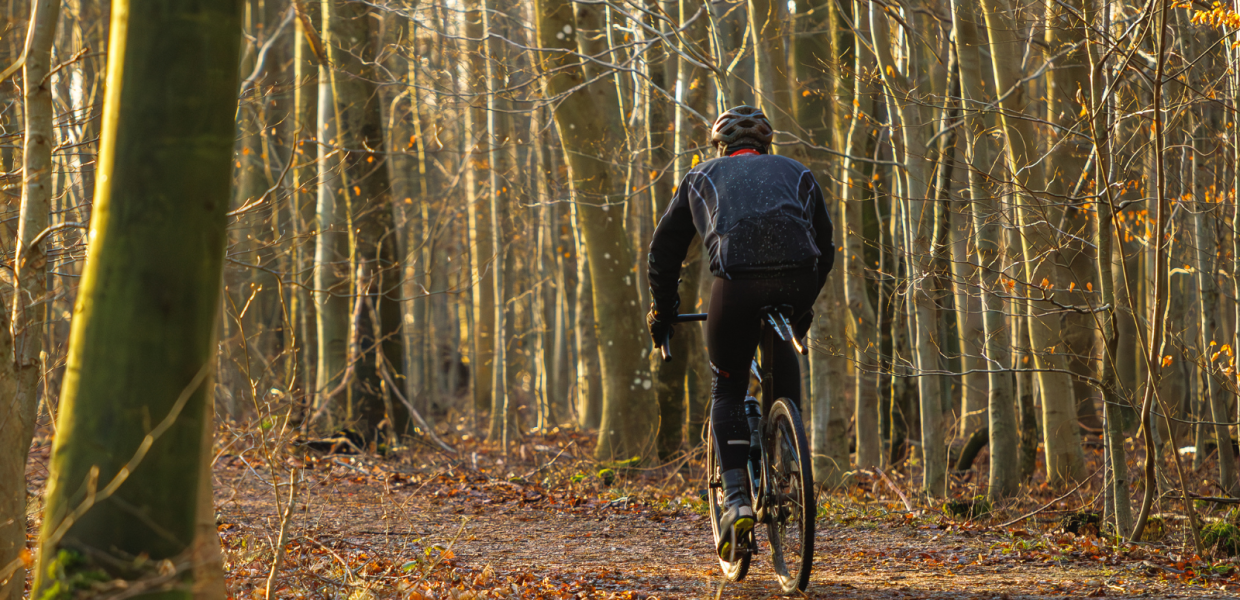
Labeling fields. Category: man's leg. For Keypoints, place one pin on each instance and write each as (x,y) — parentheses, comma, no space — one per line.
(732,332)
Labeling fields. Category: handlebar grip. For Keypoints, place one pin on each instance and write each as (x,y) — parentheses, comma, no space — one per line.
(665,347)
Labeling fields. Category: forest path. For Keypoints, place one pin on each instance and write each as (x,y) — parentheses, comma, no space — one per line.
(557,543)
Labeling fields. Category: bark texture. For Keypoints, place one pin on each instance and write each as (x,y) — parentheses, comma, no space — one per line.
(591,132)
(126,466)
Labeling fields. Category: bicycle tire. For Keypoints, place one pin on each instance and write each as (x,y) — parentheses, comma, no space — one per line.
(793,505)
(732,570)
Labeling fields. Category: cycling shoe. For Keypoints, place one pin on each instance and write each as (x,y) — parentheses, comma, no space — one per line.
(737,520)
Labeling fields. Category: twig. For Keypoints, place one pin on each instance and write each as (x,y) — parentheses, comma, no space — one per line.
(896,489)
(1214,499)
(282,540)
(72,59)
(261,199)
(349,466)
(13,68)
(1049,504)
(551,462)
(413,411)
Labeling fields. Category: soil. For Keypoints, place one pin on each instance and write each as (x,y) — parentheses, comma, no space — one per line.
(423,525)
(641,539)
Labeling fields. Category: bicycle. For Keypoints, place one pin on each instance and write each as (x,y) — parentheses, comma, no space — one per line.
(781,476)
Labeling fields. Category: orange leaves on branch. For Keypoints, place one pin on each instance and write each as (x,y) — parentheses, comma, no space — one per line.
(1219,16)
(1089,286)
(1166,361)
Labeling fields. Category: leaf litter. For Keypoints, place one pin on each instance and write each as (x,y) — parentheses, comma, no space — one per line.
(546,521)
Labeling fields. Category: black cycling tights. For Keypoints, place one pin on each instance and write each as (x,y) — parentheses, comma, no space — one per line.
(733,329)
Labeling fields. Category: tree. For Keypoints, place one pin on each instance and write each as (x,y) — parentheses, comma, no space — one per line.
(126,469)
(916,210)
(19,379)
(987,213)
(590,131)
(360,202)
(856,176)
(1065,460)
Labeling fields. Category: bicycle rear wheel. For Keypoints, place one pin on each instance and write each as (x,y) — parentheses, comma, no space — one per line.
(793,506)
(734,570)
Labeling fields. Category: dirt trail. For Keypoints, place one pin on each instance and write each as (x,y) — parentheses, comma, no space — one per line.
(642,551)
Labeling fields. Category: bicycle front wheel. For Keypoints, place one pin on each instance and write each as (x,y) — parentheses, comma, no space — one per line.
(735,569)
(793,506)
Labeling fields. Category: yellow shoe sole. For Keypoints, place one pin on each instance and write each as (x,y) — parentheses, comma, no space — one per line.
(741,527)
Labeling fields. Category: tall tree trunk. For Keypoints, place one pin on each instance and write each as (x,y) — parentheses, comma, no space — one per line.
(987,214)
(768,21)
(30,297)
(331,263)
(811,116)
(917,210)
(1211,332)
(1066,159)
(501,191)
(1065,460)
(955,216)
(304,128)
(661,120)
(590,131)
(1100,124)
(853,203)
(589,387)
(482,250)
(134,403)
(406,170)
(364,191)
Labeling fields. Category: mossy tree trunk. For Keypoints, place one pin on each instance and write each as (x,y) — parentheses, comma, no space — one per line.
(126,465)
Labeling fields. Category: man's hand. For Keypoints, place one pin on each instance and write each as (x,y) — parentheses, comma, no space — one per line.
(660,329)
(801,327)
(661,319)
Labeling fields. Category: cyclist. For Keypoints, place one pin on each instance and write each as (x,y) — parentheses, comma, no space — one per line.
(765,225)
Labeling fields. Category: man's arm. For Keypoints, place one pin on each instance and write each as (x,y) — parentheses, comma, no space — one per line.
(824,236)
(668,247)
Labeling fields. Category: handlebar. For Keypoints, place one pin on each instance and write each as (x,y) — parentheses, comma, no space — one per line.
(665,348)
(782,327)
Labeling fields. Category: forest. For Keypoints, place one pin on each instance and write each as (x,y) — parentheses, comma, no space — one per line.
(262,258)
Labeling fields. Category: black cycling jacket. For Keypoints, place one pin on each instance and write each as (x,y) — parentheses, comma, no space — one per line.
(758,216)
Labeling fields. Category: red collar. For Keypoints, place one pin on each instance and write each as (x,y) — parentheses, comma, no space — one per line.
(745,152)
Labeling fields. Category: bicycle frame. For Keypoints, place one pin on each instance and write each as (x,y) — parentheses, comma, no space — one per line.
(774,324)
